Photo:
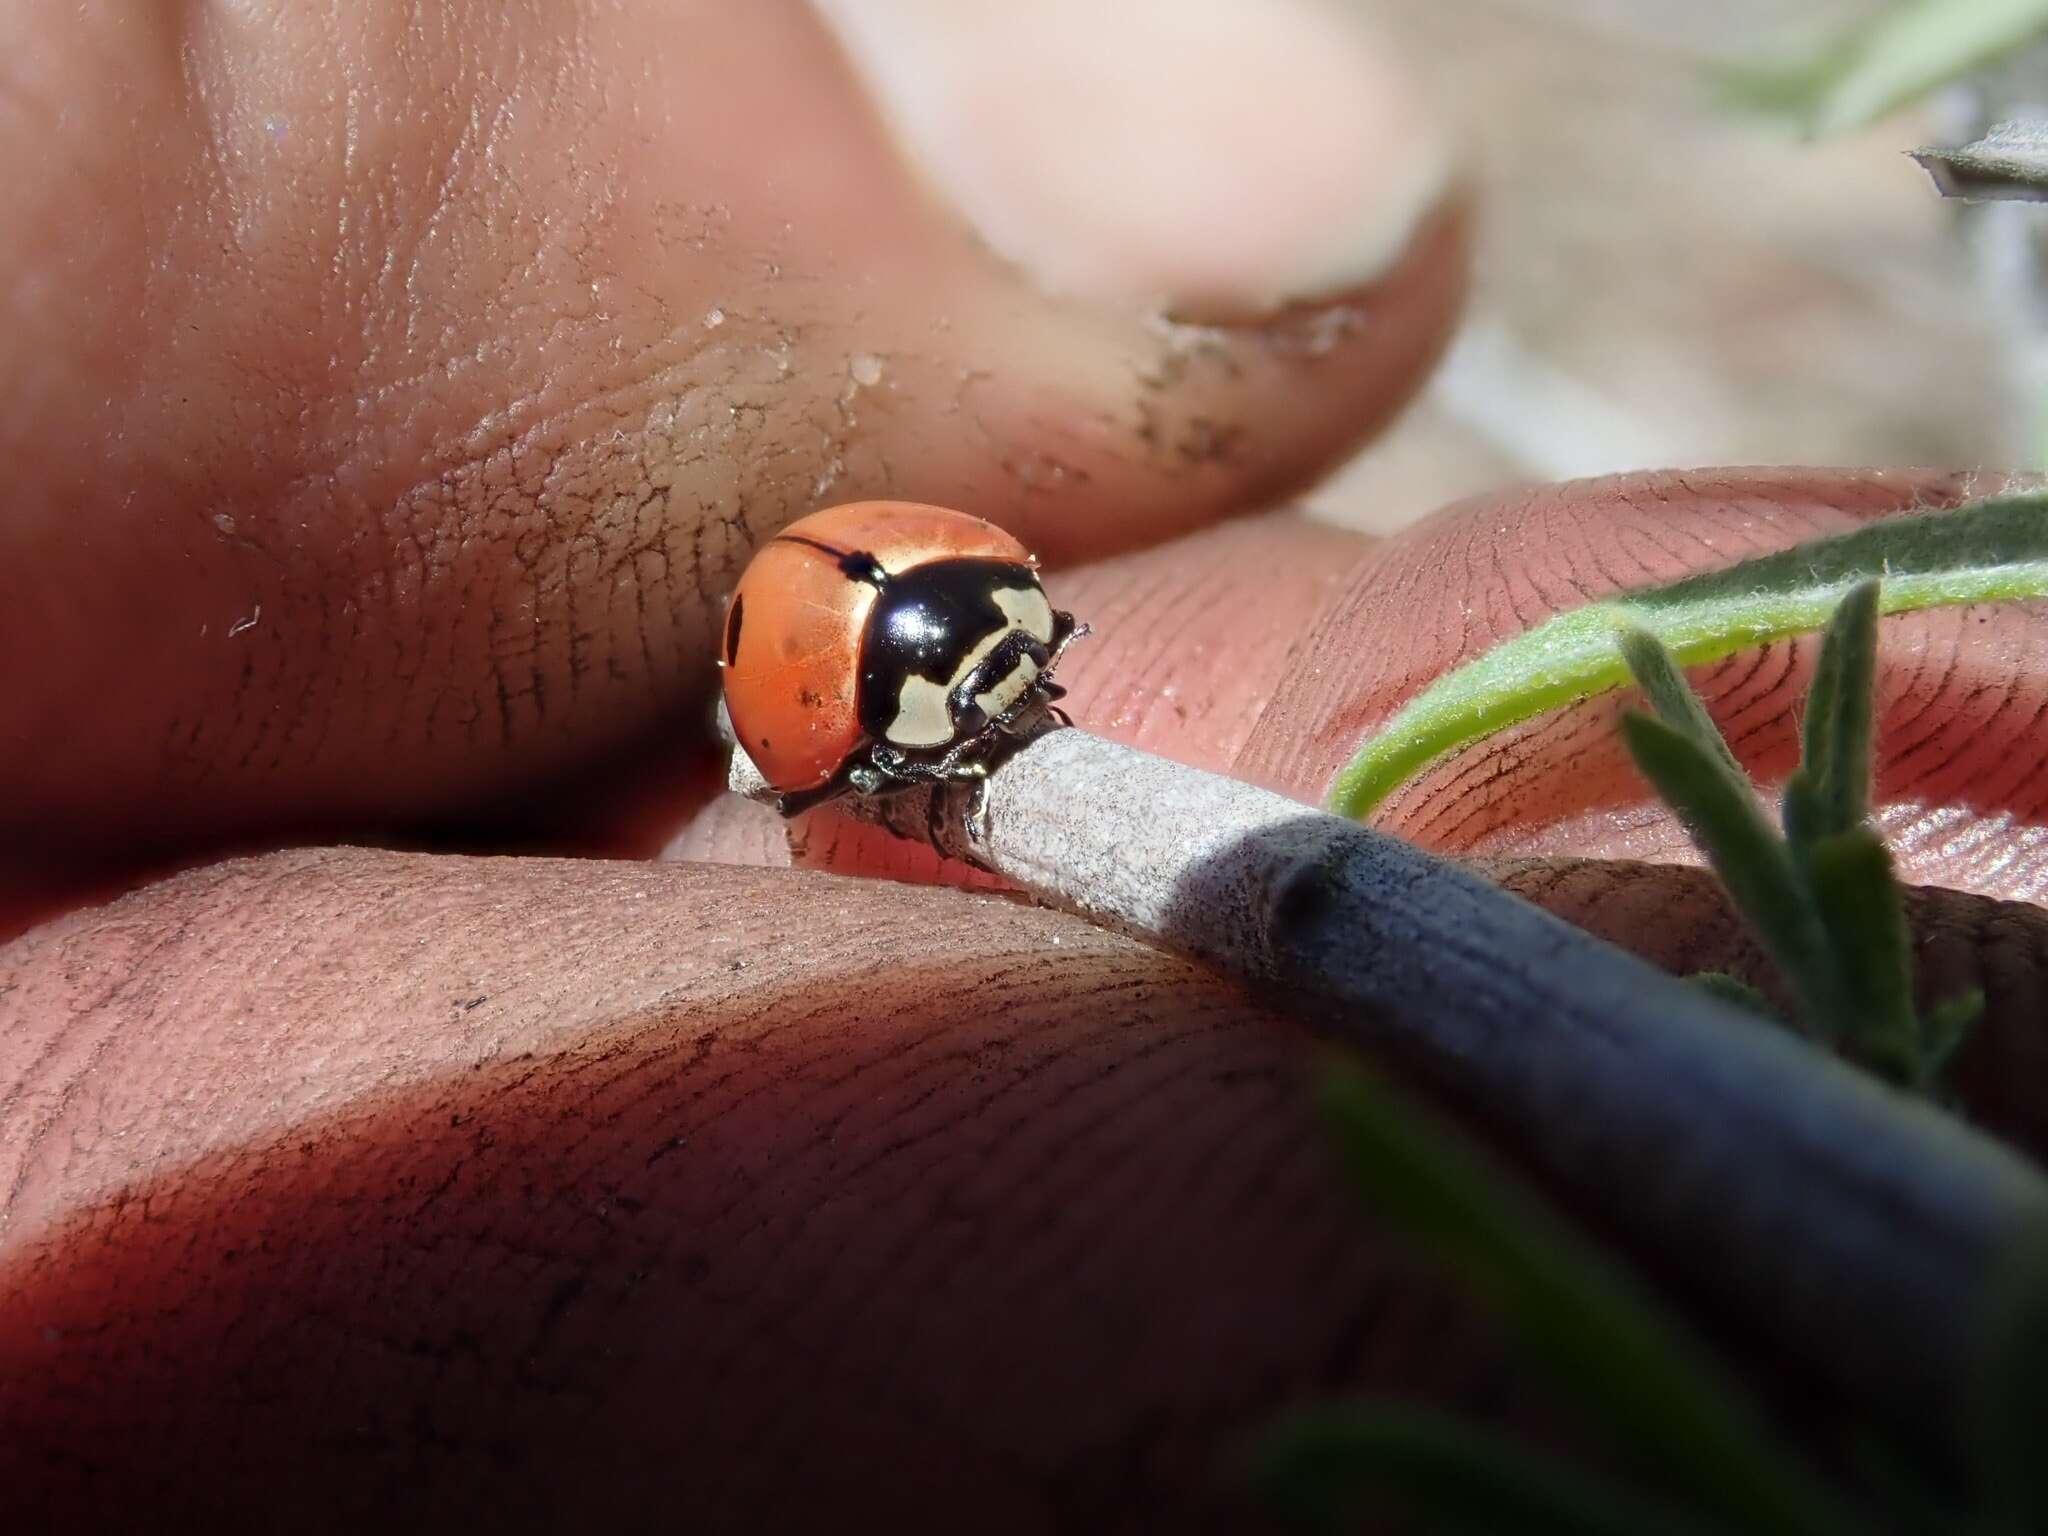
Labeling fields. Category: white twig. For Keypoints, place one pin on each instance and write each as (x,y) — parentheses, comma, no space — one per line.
(1860,1228)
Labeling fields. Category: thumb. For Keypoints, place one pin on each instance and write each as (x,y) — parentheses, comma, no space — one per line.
(458,356)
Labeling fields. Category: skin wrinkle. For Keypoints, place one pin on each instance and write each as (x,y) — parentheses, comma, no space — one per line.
(1582,568)
(1688,546)
(1637,544)
(1957,722)
(2025,771)
(1465,787)
(137,986)
(1155,683)
(1763,729)
(1209,655)
(1452,804)
(1553,578)
(1079,1161)
(1970,740)
(1122,606)
(1728,683)
(894,1269)
(1897,750)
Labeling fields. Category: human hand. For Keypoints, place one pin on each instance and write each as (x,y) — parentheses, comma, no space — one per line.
(402,1183)
(392,400)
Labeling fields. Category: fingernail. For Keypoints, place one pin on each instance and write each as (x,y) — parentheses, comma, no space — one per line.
(1218,155)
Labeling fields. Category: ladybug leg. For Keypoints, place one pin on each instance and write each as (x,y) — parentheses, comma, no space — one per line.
(976,819)
(955,769)
(858,777)
(894,770)
(796,802)
(867,779)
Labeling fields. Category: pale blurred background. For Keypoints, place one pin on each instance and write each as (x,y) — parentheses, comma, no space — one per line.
(1662,280)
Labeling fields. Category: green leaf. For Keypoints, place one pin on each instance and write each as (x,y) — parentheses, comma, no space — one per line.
(1817,728)
(1836,752)
(1315,1469)
(1897,56)
(1865,918)
(1803,810)
(1948,1026)
(1733,989)
(1721,811)
(1607,1345)
(1992,551)
(1671,696)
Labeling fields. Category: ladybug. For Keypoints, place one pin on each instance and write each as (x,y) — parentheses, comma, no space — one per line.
(882,644)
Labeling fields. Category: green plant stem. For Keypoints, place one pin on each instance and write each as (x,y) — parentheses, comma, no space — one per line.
(1899,55)
(1994,551)
(1719,808)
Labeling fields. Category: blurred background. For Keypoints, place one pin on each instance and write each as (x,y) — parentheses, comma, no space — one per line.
(1663,278)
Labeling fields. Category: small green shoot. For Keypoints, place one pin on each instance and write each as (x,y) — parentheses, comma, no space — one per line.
(1821,897)
(1991,551)
(1733,989)
(1901,54)
(1317,1468)
(1691,1439)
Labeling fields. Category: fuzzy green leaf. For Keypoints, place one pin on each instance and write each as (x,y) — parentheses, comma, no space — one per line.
(1607,1344)
(1670,695)
(1992,551)
(1947,1027)
(1803,810)
(1901,54)
(1817,726)
(1733,989)
(1836,752)
(1865,918)
(1314,1470)
(1721,811)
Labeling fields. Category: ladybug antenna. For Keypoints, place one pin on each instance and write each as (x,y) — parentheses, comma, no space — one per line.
(857,564)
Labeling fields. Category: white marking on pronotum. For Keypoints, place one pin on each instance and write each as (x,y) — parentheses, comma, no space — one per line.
(922,717)
(1008,690)
(1027,609)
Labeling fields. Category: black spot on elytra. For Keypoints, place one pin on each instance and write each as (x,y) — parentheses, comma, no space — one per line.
(732,631)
